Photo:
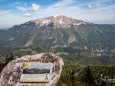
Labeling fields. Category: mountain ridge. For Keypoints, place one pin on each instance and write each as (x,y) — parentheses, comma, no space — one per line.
(76,34)
(60,21)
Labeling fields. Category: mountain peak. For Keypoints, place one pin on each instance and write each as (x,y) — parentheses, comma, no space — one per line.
(59,21)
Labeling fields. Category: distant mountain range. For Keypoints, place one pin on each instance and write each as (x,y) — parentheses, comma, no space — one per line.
(61,31)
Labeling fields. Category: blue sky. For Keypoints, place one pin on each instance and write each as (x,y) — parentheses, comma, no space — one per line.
(14,12)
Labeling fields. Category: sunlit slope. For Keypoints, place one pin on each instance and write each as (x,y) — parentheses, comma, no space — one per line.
(93,37)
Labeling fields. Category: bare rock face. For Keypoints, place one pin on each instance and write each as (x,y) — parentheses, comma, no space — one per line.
(58,22)
(10,76)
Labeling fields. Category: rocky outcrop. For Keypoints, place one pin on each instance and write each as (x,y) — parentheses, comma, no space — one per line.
(10,76)
(58,22)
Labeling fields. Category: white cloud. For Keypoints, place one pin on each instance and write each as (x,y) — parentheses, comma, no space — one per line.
(103,1)
(90,6)
(34,8)
(63,3)
(10,19)
(17,3)
(21,8)
(4,12)
(27,15)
